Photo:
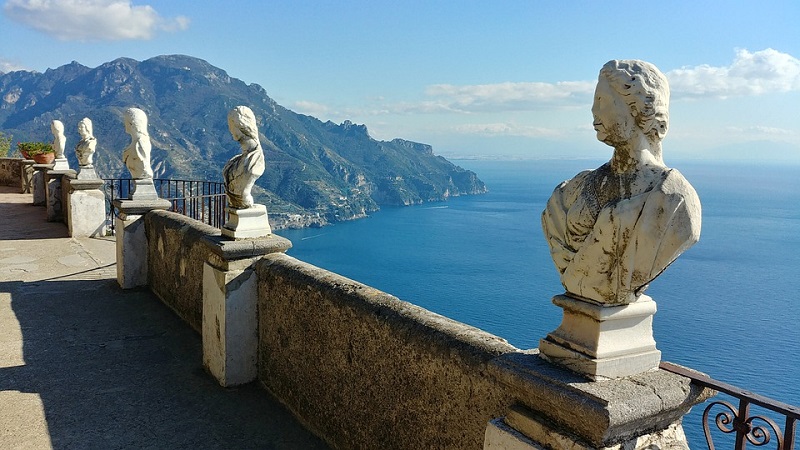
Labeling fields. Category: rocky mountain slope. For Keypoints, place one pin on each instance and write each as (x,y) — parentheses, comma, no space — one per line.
(317,172)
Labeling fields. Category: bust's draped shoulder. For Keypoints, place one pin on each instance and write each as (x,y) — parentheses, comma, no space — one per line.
(554,219)
(240,173)
(136,157)
(610,254)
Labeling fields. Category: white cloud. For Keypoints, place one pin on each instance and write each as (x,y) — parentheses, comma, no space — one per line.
(311,108)
(525,96)
(762,131)
(10,66)
(761,72)
(507,129)
(755,73)
(750,74)
(92,20)
(308,107)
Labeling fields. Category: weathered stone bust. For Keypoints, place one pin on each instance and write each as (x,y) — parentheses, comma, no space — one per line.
(612,230)
(136,155)
(59,139)
(85,148)
(242,171)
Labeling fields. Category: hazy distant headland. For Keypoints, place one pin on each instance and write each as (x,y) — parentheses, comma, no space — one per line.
(317,172)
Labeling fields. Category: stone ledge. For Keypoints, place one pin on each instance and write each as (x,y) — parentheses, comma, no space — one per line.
(236,254)
(600,413)
(54,172)
(500,436)
(78,184)
(521,429)
(128,206)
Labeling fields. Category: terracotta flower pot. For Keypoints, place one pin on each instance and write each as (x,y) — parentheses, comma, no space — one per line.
(44,158)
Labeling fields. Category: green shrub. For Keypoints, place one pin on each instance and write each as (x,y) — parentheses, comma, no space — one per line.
(5,144)
(34,148)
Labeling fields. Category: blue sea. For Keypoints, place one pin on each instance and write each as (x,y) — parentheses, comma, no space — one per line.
(729,307)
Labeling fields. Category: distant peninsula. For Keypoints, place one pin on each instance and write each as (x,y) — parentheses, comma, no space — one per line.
(317,172)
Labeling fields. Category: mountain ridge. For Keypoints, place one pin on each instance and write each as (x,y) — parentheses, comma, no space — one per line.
(317,172)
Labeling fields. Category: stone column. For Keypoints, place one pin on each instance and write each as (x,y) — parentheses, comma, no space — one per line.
(132,240)
(562,410)
(86,207)
(26,176)
(54,195)
(230,298)
(40,184)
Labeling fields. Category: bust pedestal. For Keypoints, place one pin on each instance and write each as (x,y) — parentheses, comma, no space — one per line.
(247,223)
(86,207)
(144,190)
(61,164)
(87,173)
(603,341)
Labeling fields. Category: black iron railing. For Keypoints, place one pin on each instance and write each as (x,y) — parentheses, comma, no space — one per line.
(201,200)
(754,429)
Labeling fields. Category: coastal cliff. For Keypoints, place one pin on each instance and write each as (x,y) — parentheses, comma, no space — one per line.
(317,172)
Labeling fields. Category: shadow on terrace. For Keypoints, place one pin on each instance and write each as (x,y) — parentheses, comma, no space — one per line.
(84,364)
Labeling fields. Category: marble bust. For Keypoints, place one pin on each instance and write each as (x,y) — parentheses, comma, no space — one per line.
(242,171)
(85,148)
(136,155)
(614,229)
(59,139)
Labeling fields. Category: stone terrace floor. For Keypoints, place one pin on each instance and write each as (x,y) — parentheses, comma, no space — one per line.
(86,365)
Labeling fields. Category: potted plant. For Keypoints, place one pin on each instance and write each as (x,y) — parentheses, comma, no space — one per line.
(41,152)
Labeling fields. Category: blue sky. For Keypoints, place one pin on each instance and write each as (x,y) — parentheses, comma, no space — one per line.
(472,78)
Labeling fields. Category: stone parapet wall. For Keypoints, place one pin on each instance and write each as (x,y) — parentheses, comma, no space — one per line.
(11,172)
(363,369)
(366,370)
(175,264)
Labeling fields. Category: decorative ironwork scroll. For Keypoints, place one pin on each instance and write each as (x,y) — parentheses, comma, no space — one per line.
(758,430)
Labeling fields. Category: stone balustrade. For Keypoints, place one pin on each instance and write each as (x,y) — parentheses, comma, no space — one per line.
(364,369)
(16,172)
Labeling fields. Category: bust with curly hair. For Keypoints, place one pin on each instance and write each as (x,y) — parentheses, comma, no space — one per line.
(614,229)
